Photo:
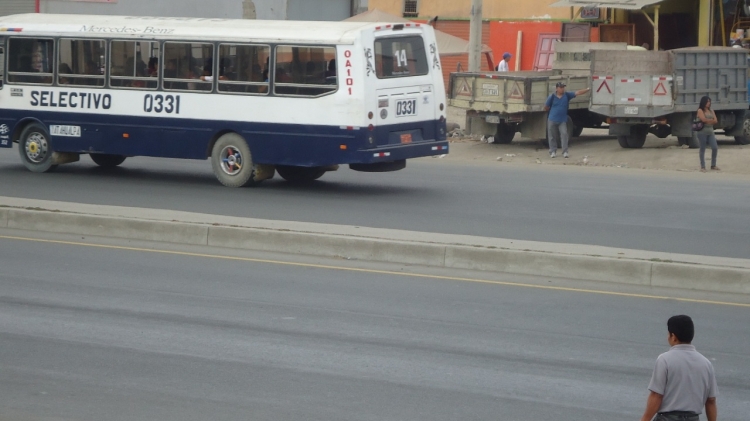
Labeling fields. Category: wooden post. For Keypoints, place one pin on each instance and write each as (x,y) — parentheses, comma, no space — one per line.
(519,40)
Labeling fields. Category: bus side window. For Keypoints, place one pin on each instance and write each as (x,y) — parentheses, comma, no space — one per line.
(240,68)
(30,60)
(184,65)
(86,60)
(128,67)
(301,71)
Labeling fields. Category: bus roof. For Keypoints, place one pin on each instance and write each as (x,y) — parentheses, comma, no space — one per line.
(145,27)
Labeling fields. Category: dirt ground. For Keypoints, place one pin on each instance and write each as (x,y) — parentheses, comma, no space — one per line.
(595,148)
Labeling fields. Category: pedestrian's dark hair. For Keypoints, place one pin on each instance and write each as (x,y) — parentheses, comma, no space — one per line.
(682,327)
(704,103)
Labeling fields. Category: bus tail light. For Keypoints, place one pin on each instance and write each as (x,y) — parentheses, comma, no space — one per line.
(370,127)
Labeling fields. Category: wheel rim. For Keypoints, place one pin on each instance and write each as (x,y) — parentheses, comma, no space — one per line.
(231,160)
(36,147)
(746,127)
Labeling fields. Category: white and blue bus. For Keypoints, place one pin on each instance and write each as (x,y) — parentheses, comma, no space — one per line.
(255,97)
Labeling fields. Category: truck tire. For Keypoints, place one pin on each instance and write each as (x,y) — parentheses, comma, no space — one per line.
(745,138)
(635,139)
(505,133)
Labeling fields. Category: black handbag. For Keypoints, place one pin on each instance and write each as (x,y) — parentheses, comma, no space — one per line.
(697,124)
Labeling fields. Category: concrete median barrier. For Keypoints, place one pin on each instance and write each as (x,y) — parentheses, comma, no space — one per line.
(589,268)
(590,263)
(107,226)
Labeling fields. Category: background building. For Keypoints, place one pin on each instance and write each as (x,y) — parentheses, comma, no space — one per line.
(331,10)
(526,28)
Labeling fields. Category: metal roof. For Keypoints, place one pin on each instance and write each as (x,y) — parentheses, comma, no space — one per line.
(611,4)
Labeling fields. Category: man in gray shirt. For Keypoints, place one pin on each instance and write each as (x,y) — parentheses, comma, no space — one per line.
(683,382)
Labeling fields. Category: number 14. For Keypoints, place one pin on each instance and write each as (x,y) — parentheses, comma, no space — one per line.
(401,58)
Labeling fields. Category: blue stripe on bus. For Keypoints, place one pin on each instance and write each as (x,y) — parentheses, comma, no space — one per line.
(270,143)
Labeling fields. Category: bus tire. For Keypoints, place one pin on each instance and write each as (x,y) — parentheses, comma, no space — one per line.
(294,174)
(106,160)
(577,130)
(35,149)
(231,161)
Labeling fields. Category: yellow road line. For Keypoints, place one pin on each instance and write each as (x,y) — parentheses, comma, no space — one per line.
(374,271)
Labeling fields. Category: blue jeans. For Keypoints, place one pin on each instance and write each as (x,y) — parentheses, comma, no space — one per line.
(557,131)
(711,140)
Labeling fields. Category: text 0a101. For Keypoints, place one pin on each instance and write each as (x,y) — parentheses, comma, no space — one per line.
(168,104)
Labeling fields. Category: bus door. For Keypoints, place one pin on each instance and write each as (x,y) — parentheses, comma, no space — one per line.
(405,89)
(2,62)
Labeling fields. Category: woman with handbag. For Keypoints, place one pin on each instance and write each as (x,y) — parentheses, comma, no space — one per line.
(706,134)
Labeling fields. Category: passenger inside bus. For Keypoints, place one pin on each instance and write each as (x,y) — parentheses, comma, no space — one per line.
(153,66)
(64,69)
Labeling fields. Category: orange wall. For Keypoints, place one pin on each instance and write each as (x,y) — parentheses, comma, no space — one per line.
(504,35)
(460,28)
(491,9)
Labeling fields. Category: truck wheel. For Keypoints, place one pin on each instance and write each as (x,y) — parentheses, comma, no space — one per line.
(34,148)
(635,139)
(504,134)
(638,136)
(745,138)
(107,160)
(299,174)
(232,162)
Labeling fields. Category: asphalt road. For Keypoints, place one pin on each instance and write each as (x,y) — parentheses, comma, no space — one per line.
(100,333)
(670,212)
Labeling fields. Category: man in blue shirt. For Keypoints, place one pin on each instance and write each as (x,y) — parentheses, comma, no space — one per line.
(557,121)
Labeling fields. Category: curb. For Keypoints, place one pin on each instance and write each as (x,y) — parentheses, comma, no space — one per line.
(434,251)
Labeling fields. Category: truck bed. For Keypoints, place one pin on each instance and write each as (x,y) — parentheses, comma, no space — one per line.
(511,92)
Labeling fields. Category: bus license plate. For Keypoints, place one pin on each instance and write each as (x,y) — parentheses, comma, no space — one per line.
(67,131)
(406,107)
(631,110)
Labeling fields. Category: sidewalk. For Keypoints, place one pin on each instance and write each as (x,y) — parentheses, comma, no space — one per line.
(592,263)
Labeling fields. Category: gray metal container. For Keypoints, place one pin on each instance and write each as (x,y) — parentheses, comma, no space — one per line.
(720,73)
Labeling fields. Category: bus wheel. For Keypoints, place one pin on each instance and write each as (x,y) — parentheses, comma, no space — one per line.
(34,148)
(232,162)
(107,160)
(299,174)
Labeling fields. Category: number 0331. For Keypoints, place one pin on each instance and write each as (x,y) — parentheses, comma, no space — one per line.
(169,104)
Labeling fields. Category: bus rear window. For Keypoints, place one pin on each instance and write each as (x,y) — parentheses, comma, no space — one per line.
(400,57)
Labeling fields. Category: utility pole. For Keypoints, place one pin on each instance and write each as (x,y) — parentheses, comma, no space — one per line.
(475,36)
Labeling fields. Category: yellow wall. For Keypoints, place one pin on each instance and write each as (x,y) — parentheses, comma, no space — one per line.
(491,9)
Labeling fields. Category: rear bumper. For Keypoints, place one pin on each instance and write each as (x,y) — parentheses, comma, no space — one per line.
(399,152)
